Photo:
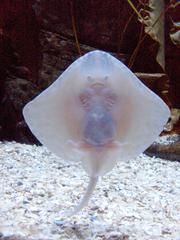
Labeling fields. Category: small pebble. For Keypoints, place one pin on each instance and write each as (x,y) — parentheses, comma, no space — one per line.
(59,222)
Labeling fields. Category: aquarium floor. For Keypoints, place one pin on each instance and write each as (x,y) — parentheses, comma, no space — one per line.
(138,199)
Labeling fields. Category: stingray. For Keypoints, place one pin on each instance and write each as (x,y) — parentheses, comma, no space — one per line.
(97,113)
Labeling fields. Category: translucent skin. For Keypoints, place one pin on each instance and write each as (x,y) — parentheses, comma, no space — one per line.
(97,112)
(63,117)
(99,125)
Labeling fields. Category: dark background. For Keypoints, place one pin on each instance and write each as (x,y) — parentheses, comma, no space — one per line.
(37,42)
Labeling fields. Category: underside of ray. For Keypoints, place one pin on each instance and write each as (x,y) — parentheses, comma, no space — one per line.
(62,116)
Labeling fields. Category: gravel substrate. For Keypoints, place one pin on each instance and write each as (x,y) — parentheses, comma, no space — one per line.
(138,199)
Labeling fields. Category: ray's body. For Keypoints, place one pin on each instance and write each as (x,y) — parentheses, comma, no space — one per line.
(99,128)
(97,112)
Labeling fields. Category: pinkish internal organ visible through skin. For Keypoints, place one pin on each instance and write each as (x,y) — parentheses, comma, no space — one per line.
(99,128)
(99,131)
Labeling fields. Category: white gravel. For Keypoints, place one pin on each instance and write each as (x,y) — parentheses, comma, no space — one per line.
(139,199)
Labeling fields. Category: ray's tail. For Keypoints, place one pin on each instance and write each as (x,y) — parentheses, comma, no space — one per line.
(84,201)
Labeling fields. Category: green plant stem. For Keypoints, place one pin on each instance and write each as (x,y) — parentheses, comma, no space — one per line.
(74,28)
(135,10)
